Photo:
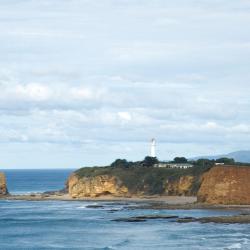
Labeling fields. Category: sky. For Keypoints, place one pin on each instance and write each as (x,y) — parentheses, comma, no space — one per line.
(84,82)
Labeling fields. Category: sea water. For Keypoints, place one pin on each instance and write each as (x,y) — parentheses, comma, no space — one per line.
(75,225)
(23,181)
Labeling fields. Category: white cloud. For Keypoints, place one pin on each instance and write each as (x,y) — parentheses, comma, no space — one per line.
(36,92)
(125,116)
(73,73)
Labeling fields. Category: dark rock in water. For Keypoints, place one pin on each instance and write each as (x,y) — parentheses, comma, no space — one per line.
(52,193)
(187,219)
(146,217)
(59,193)
(241,219)
(132,219)
(94,206)
(113,210)
(155,216)
(49,192)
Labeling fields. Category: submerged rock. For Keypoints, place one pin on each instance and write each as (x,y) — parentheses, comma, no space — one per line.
(3,185)
(132,219)
(145,218)
(241,219)
(94,206)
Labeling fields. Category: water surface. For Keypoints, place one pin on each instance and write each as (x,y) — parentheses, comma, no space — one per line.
(73,225)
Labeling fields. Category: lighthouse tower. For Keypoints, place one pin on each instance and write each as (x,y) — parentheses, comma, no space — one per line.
(152,148)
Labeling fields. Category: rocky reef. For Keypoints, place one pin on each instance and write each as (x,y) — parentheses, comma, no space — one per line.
(228,185)
(232,219)
(3,185)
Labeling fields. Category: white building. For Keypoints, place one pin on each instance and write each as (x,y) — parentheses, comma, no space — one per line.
(173,165)
(152,148)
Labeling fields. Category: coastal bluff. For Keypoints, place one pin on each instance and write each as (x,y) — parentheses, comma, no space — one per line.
(95,186)
(227,185)
(132,182)
(111,185)
(3,185)
(215,185)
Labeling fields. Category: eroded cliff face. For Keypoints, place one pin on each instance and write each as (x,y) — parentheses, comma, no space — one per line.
(3,185)
(182,186)
(95,186)
(110,185)
(226,185)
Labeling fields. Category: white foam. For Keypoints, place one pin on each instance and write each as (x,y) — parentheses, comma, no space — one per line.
(235,246)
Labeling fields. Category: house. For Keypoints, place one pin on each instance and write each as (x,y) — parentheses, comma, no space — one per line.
(173,165)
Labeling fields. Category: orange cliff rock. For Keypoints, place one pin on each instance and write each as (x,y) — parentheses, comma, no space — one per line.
(95,186)
(226,185)
(100,185)
(3,185)
(182,186)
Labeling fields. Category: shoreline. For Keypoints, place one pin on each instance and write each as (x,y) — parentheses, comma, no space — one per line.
(66,197)
(144,202)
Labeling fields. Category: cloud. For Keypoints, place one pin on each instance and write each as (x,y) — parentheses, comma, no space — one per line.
(100,78)
(125,117)
(36,92)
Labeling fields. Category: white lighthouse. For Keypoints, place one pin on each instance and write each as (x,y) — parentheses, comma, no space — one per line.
(152,148)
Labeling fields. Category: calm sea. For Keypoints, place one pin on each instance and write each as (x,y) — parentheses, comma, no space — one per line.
(29,181)
(74,225)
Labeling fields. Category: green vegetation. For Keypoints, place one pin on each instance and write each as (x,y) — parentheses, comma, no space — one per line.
(142,176)
(180,160)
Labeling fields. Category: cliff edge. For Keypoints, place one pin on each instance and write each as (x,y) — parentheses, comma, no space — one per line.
(3,185)
(228,185)
(129,182)
(95,186)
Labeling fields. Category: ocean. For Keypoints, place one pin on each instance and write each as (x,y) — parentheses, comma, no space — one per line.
(38,180)
(77,225)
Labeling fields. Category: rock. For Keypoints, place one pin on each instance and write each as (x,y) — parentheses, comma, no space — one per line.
(156,216)
(95,186)
(3,185)
(146,217)
(228,185)
(94,206)
(129,220)
(186,220)
(182,186)
(242,219)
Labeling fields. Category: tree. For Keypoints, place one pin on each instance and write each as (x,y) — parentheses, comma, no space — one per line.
(120,163)
(204,162)
(180,160)
(229,161)
(149,161)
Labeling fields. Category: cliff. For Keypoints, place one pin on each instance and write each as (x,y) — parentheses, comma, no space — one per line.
(3,185)
(98,181)
(181,186)
(226,185)
(95,186)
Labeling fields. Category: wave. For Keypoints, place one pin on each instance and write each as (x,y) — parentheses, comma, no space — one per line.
(234,246)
